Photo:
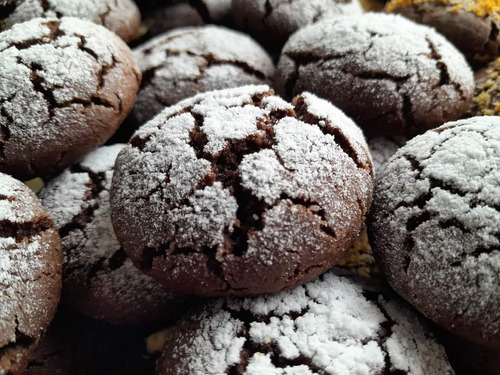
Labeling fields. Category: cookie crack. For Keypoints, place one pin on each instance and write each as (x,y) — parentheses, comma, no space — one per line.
(54,34)
(20,231)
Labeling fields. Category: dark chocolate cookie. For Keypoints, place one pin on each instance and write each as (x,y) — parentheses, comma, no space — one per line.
(330,326)
(237,192)
(191,60)
(272,22)
(30,274)
(487,92)
(389,74)
(99,279)
(435,226)
(471,25)
(120,16)
(80,81)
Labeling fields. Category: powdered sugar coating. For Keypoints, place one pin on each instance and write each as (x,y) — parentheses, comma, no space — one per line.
(80,80)
(436,227)
(389,74)
(329,326)
(223,171)
(273,21)
(99,280)
(186,61)
(382,148)
(120,16)
(30,273)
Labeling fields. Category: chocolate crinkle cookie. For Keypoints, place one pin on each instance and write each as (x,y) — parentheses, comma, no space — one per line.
(30,274)
(187,61)
(471,25)
(120,16)
(330,326)
(237,192)
(80,81)
(435,226)
(487,92)
(99,279)
(389,74)
(272,22)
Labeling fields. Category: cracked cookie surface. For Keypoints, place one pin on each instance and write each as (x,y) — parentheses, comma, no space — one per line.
(389,74)
(119,16)
(272,22)
(237,192)
(187,61)
(471,25)
(30,274)
(435,226)
(99,279)
(80,81)
(332,325)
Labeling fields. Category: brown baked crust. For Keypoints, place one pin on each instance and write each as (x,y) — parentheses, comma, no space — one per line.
(30,274)
(81,81)
(120,16)
(392,76)
(252,207)
(473,26)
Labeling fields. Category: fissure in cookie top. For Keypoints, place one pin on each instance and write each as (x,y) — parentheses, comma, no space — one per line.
(332,325)
(436,225)
(240,183)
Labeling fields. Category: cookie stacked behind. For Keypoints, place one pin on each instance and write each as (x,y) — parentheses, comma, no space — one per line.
(80,81)
(99,280)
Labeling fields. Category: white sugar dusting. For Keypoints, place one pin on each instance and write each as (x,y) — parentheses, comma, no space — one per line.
(327,324)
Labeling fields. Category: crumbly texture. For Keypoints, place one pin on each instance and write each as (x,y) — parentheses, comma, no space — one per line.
(382,148)
(471,25)
(435,226)
(389,74)
(237,192)
(30,274)
(99,279)
(359,259)
(272,22)
(80,80)
(120,16)
(191,60)
(486,100)
(330,326)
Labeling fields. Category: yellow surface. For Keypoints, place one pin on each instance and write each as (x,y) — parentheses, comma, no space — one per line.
(481,8)
(359,258)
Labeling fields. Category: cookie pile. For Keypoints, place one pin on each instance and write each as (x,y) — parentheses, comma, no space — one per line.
(249,187)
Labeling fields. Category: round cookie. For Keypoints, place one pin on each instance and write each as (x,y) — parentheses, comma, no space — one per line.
(389,74)
(191,60)
(237,192)
(120,16)
(272,22)
(435,226)
(99,279)
(382,148)
(471,25)
(80,81)
(487,92)
(329,326)
(30,274)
